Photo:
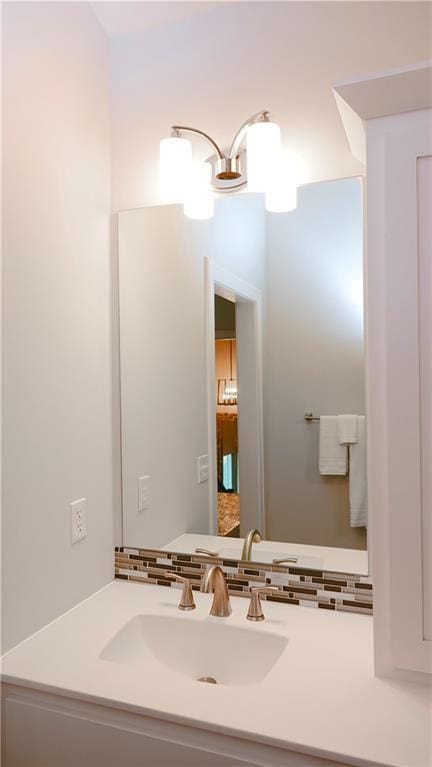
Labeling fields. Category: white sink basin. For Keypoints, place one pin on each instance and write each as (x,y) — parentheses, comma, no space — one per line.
(196,648)
(266,555)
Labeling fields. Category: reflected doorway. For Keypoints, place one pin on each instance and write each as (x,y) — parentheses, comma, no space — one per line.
(226,387)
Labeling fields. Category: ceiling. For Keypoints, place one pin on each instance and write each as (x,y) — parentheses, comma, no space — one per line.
(125,18)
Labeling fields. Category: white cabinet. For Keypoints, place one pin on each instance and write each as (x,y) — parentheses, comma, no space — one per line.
(399,352)
(45,730)
(399,156)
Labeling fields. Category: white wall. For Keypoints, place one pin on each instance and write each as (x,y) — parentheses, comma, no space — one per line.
(57,311)
(214,69)
(313,358)
(163,355)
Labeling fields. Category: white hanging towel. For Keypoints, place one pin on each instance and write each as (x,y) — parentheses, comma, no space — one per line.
(332,455)
(357,477)
(348,430)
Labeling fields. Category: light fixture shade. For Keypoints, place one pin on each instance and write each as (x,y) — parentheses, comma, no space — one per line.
(263,149)
(199,200)
(175,160)
(281,194)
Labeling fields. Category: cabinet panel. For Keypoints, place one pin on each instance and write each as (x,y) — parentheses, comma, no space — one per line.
(424,198)
(407,317)
(45,730)
(55,739)
(399,387)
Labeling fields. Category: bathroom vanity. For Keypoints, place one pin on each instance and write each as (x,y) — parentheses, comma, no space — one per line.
(114,682)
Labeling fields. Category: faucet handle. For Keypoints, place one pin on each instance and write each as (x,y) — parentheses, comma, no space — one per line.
(208,552)
(255,611)
(186,599)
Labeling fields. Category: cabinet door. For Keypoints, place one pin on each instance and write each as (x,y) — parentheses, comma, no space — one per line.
(44,730)
(404,252)
(56,739)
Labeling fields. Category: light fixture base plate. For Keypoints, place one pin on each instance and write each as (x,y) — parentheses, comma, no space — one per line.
(237,166)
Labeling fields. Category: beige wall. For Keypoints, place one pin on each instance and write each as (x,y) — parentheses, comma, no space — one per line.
(57,407)
(313,358)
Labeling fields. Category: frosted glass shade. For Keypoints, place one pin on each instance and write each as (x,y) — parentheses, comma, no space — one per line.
(175,160)
(263,150)
(199,200)
(281,194)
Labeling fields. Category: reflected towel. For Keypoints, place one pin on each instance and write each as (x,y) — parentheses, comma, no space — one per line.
(357,477)
(332,455)
(348,430)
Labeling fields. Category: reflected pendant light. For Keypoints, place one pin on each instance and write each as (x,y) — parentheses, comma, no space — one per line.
(227,387)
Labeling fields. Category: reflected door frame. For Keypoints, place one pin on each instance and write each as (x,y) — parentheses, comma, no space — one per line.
(248,301)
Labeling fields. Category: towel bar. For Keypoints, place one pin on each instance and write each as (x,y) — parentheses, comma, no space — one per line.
(311,417)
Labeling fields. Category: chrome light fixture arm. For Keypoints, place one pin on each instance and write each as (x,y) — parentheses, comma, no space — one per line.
(226,167)
(229,168)
(263,116)
(177,130)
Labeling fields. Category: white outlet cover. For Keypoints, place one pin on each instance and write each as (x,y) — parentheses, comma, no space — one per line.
(78,520)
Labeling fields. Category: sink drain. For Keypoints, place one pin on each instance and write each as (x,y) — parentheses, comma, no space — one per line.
(208,679)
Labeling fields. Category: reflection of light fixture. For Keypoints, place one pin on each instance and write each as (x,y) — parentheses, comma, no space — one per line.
(227,387)
(227,391)
(198,201)
(281,193)
(229,170)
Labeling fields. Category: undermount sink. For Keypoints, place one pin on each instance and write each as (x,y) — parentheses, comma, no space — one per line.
(266,555)
(196,648)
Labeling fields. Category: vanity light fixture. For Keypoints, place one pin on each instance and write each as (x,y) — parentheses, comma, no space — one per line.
(254,159)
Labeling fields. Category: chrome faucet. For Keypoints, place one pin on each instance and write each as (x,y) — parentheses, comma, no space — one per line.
(253,536)
(214,578)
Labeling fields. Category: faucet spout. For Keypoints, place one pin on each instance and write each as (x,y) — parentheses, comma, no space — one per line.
(253,536)
(214,580)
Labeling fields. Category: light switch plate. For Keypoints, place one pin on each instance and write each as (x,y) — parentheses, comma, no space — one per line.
(143,493)
(202,462)
(78,520)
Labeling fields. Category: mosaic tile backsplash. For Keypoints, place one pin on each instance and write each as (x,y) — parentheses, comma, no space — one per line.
(297,586)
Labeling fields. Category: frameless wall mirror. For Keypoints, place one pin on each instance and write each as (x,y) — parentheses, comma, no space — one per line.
(242,379)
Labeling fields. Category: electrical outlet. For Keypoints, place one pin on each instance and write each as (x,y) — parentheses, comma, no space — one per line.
(143,493)
(202,462)
(78,519)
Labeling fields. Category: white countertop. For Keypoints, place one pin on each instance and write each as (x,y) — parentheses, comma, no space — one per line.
(320,698)
(332,559)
